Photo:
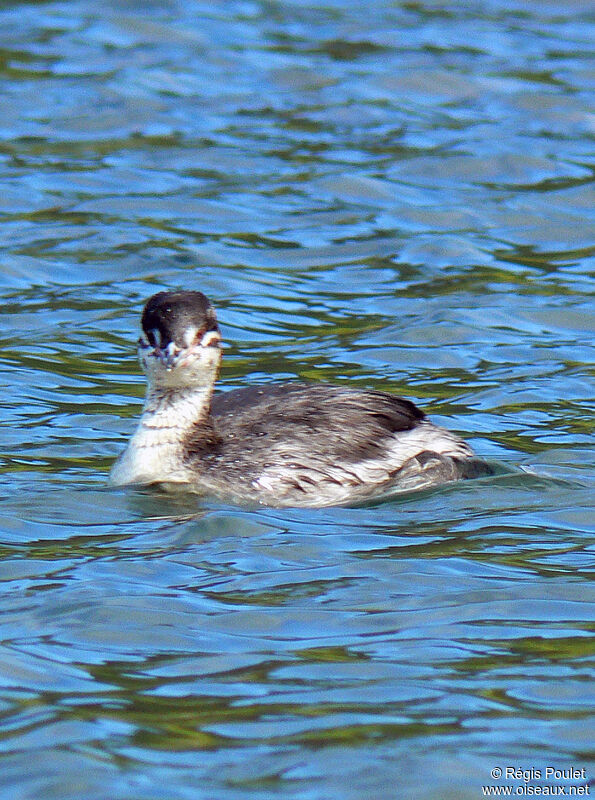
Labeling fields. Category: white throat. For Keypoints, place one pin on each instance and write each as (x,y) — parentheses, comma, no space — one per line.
(155,451)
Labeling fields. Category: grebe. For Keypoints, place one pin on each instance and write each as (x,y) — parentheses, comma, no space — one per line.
(287,444)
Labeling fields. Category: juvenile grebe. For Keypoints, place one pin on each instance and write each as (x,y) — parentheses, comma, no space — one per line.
(288,444)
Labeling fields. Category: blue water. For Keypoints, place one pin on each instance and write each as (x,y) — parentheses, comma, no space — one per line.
(390,195)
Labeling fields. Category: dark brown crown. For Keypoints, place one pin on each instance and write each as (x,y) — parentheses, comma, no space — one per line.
(173,313)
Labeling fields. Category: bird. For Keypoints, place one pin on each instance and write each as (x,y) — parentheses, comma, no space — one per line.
(288,444)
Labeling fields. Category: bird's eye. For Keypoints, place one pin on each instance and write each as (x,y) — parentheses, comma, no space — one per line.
(152,338)
(211,338)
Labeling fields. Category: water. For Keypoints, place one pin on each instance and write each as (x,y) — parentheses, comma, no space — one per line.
(394,195)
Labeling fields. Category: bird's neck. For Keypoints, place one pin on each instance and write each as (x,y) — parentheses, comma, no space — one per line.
(155,453)
(175,408)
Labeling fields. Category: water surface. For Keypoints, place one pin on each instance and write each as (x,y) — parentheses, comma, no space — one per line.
(391,195)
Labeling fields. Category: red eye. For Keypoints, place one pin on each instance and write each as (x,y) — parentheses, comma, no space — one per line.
(211,338)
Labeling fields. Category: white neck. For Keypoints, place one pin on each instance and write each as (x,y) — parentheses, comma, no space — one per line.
(179,407)
(155,451)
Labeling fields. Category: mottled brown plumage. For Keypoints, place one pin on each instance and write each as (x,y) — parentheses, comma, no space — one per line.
(279,444)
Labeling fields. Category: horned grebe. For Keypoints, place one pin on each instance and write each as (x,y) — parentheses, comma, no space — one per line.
(288,444)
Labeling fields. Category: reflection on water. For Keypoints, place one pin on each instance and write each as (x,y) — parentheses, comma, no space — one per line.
(395,195)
